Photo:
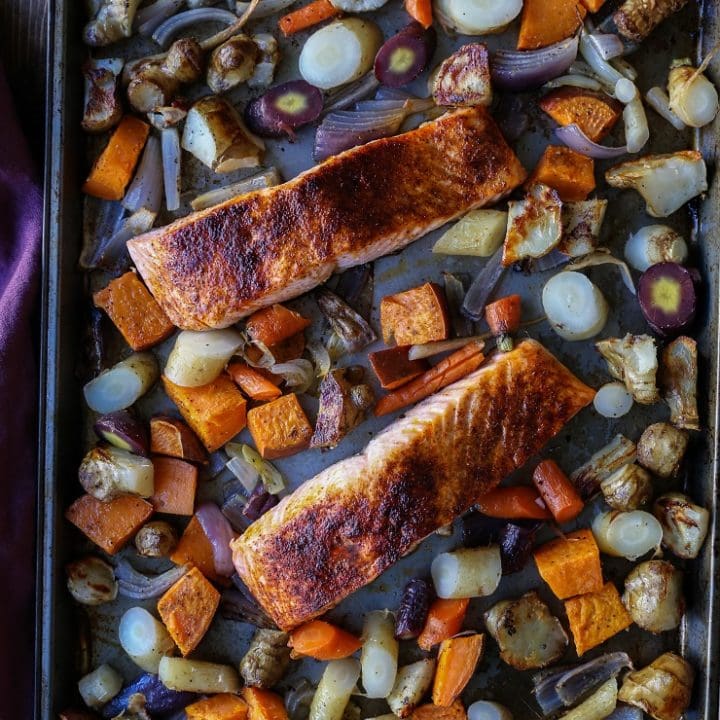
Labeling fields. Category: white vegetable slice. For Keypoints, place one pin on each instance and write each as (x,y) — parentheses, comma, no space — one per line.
(575,307)
(379,656)
(581,224)
(120,386)
(100,686)
(197,358)
(627,534)
(334,689)
(654,244)
(479,233)
(466,573)
(477,17)
(613,400)
(486,710)
(107,472)
(598,706)
(411,684)
(340,52)
(144,639)
(199,677)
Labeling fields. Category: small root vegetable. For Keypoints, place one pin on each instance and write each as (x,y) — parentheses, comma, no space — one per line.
(661,449)
(156,539)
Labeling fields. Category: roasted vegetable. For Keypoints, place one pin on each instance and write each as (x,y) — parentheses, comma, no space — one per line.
(557,492)
(394,368)
(661,449)
(280,428)
(379,655)
(464,78)
(120,386)
(197,358)
(124,431)
(307,16)
(627,534)
(569,173)
(599,705)
(102,109)
(405,55)
(415,316)
(477,18)
(175,486)
(413,609)
(575,307)
(544,23)
(158,698)
(267,658)
(479,233)
(668,298)
(156,539)
(283,109)
(91,581)
(232,63)
(684,524)
(457,659)
(112,20)
(196,676)
(144,638)
(411,684)
(655,244)
(693,98)
(224,706)
(467,572)
(529,636)
(678,380)
(581,224)
(503,318)
(618,452)
(108,472)
(334,689)
(486,710)
(516,544)
(633,360)
(636,19)
(172,437)
(593,112)
(100,686)
(321,640)
(653,596)
(444,619)
(662,689)
(350,327)
(627,488)
(612,400)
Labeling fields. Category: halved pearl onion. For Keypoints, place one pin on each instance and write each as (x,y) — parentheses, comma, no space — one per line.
(334,689)
(486,710)
(144,638)
(627,534)
(613,400)
(575,307)
(654,244)
(197,358)
(120,386)
(468,572)
(379,656)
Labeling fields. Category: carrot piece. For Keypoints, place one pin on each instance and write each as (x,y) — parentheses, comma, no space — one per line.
(188,608)
(172,437)
(518,502)
(457,660)
(545,22)
(452,368)
(416,316)
(216,412)
(595,617)
(557,492)
(110,525)
(437,712)
(570,565)
(274,324)
(224,706)
(420,10)
(305,17)
(503,318)
(593,5)
(571,174)
(321,640)
(393,367)
(280,428)
(445,618)
(113,170)
(134,311)
(264,705)
(254,382)
(195,547)
(593,112)
(175,486)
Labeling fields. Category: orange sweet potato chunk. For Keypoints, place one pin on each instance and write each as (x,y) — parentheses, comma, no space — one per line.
(393,367)
(110,525)
(175,486)
(264,704)
(273,324)
(416,316)
(571,174)
(195,547)
(546,22)
(280,428)
(224,706)
(187,609)
(593,112)
(172,437)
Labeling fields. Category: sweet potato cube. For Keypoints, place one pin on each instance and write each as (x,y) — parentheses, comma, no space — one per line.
(273,324)
(290,349)
(595,617)
(172,437)
(546,22)
(256,383)
(280,428)
(264,705)
(393,367)
(216,412)
(110,525)
(134,311)
(593,112)
(187,609)
(571,174)
(456,711)
(224,706)
(195,547)
(571,565)
(175,486)
(416,316)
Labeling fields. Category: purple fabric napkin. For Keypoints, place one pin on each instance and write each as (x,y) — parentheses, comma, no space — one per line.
(20,231)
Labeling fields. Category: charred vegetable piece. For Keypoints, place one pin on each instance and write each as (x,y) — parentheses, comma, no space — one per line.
(413,610)
(516,545)
(667,297)
(411,684)
(654,244)
(156,539)
(267,658)
(123,430)
(352,329)
(627,534)
(633,360)
(112,21)
(653,596)
(102,109)
(108,472)
(405,55)
(587,478)
(636,19)
(232,63)
(467,572)
(581,224)
(693,98)
(91,581)
(464,78)
(678,379)
(283,109)
(627,488)
(684,524)
(661,449)
(479,529)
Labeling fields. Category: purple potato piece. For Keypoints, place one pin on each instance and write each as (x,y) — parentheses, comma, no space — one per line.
(516,544)
(160,699)
(479,530)
(413,610)
(405,55)
(283,109)
(123,430)
(667,296)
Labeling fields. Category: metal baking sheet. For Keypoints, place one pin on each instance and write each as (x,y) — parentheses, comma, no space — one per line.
(69,638)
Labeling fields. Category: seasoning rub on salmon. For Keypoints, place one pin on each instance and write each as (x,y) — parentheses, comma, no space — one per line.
(341,529)
(214,267)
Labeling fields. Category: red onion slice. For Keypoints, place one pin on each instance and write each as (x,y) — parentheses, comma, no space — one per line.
(219,532)
(577,140)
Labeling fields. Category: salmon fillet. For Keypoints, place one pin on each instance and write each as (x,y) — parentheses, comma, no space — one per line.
(341,529)
(214,267)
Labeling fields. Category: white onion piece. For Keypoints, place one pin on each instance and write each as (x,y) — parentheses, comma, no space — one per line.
(693,98)
(602,68)
(477,17)
(334,689)
(654,244)
(197,358)
(625,90)
(145,190)
(196,676)
(144,638)
(573,80)
(271,477)
(244,472)
(120,386)
(575,307)
(379,657)
(627,534)
(466,573)
(613,400)
(340,52)
(637,131)
(100,686)
(299,374)
(486,710)
(658,100)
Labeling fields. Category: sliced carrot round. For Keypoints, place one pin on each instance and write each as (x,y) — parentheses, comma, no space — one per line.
(321,640)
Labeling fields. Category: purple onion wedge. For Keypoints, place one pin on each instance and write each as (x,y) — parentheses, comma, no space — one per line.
(667,298)
(405,55)
(124,431)
(283,109)
(413,610)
